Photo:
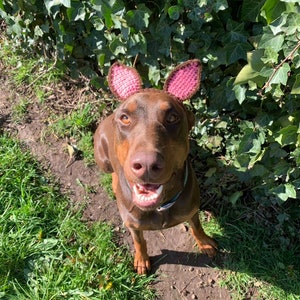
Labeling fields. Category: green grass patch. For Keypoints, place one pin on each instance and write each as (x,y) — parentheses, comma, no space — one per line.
(46,252)
(260,258)
(29,70)
(19,109)
(106,183)
(77,125)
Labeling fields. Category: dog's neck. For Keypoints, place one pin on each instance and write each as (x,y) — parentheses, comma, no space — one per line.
(173,200)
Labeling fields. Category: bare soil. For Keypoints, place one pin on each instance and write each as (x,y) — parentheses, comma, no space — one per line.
(182,273)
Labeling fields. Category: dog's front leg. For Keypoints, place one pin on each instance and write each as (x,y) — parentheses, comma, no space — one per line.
(206,244)
(141,258)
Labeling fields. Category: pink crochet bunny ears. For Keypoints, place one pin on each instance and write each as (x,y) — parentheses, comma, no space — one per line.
(182,83)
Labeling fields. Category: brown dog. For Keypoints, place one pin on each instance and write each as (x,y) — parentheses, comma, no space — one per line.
(144,144)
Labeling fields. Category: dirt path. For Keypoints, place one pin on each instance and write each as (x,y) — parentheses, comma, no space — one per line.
(182,273)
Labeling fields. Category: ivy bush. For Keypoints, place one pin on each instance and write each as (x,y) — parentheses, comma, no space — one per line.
(248,108)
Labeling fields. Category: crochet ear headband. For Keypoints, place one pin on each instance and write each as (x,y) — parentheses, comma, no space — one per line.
(183,82)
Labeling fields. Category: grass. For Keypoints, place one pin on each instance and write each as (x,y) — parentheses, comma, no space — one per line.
(77,125)
(28,69)
(19,109)
(46,252)
(106,183)
(260,260)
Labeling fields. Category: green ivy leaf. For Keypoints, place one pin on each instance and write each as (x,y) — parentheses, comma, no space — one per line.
(137,44)
(296,154)
(101,59)
(98,23)
(50,3)
(281,76)
(154,75)
(210,172)
(293,24)
(233,199)
(250,147)
(285,191)
(214,142)
(236,51)
(174,12)
(236,32)
(287,135)
(270,56)
(276,151)
(259,171)
(105,8)
(240,93)
(252,70)
(138,18)
(296,86)
(66,3)
(222,124)
(271,41)
(220,5)
(247,142)
(117,46)
(76,12)
(251,9)
(272,9)
(278,25)
(38,31)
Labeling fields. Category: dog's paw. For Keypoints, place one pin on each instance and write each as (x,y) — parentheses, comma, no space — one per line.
(208,247)
(142,264)
(208,250)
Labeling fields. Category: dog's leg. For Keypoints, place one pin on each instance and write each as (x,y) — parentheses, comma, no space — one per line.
(206,244)
(141,258)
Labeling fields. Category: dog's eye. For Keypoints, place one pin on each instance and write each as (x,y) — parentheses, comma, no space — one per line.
(125,119)
(172,118)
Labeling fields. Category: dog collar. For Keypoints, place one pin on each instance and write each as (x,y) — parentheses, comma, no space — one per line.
(171,202)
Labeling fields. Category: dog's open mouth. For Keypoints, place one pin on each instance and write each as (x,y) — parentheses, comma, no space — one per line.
(147,195)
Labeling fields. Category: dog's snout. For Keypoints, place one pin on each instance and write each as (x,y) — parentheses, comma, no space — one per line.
(147,165)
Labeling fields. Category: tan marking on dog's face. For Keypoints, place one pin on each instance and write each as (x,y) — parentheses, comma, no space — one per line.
(131,106)
(163,106)
(122,151)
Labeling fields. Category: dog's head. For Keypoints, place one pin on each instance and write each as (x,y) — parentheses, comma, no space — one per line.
(151,131)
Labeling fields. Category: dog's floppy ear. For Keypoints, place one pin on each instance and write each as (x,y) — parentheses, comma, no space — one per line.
(184,80)
(123,81)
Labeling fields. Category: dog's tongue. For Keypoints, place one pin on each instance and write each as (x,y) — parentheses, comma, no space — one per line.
(147,188)
(146,195)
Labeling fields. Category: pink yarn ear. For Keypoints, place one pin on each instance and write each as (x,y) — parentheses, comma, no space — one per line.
(123,81)
(184,80)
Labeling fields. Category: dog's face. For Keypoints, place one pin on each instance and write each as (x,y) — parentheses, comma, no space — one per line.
(151,143)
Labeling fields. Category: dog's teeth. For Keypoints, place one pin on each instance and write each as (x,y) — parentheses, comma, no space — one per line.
(159,190)
(145,195)
(144,198)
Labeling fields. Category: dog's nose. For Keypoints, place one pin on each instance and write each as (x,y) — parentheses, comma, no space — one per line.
(147,166)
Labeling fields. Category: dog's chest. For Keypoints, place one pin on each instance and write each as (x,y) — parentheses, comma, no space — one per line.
(153,220)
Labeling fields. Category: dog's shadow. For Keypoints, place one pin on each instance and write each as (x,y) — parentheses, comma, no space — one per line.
(172,257)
